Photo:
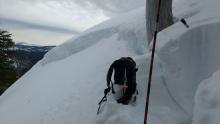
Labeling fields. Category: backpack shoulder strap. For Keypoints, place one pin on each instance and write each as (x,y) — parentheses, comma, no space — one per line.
(109,74)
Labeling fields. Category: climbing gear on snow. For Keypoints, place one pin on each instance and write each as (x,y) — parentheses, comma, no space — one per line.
(125,76)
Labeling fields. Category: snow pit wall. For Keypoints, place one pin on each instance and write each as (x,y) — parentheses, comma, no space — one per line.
(188,59)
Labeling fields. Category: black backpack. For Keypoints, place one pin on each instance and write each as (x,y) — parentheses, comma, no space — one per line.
(124,75)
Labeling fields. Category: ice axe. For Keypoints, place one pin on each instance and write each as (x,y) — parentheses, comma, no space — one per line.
(184,22)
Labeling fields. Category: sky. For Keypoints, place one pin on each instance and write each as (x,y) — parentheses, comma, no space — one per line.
(52,22)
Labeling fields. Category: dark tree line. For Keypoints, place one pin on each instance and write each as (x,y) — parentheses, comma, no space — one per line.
(8,74)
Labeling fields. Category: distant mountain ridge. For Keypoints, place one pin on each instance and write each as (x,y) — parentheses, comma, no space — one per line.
(28,54)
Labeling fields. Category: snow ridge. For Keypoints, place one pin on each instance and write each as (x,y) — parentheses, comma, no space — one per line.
(65,87)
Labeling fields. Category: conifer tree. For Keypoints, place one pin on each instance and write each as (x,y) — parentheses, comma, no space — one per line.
(7,61)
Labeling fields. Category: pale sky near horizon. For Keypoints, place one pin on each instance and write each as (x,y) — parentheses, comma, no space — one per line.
(51,22)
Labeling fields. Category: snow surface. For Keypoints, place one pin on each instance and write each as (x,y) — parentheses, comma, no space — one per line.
(65,87)
(207,101)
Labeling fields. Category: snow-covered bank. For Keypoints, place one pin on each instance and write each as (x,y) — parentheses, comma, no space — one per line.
(207,101)
(132,31)
(67,91)
(65,87)
(188,59)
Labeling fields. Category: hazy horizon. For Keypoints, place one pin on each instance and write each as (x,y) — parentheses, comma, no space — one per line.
(52,22)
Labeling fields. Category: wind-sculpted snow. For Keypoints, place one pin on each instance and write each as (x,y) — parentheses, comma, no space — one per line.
(207,102)
(132,31)
(77,45)
(189,59)
(68,83)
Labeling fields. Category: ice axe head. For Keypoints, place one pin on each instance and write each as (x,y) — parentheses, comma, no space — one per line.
(184,22)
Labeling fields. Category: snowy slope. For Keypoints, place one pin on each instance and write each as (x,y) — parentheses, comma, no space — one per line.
(65,87)
(207,101)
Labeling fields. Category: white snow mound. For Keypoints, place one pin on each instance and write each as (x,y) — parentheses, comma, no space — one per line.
(65,87)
